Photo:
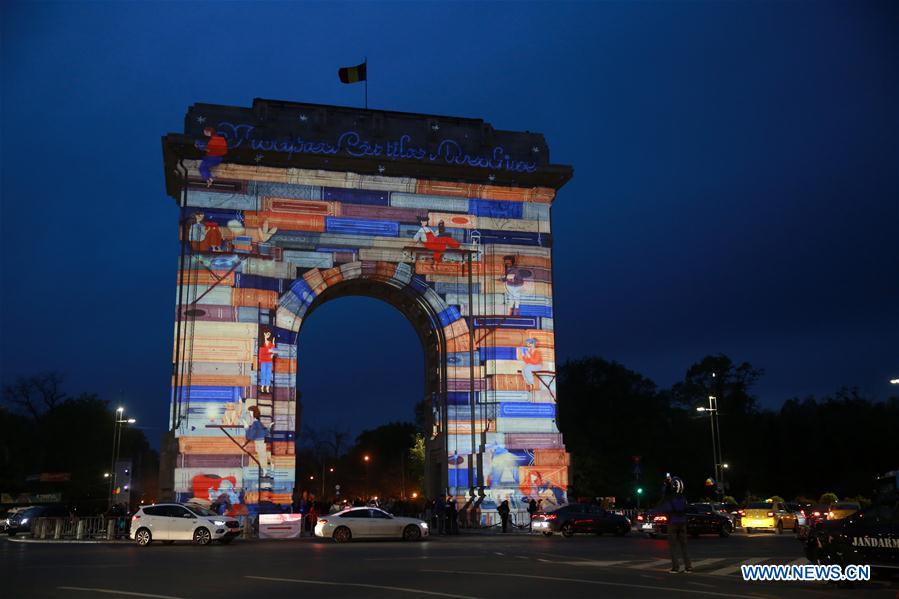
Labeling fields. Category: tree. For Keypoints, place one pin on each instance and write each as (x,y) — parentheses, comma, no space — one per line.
(35,394)
(416,462)
(609,414)
(828,498)
(718,376)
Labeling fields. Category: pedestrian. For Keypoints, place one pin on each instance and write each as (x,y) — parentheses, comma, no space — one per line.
(452,512)
(503,510)
(674,506)
(440,510)
(532,511)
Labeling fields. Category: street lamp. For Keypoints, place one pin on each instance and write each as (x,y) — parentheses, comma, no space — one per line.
(717,458)
(116,446)
(366,459)
(894,381)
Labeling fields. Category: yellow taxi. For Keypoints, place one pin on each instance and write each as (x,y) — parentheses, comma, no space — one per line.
(842,509)
(768,515)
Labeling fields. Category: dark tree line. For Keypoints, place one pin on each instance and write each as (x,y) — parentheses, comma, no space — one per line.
(609,414)
(44,430)
(393,469)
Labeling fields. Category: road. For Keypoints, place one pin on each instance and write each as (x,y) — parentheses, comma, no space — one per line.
(469,565)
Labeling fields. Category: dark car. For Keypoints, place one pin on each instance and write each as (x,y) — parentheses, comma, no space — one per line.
(870,536)
(22,521)
(816,513)
(729,509)
(577,517)
(702,519)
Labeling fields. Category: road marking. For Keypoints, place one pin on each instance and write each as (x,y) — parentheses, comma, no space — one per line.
(596,582)
(599,563)
(734,568)
(115,592)
(706,562)
(419,557)
(652,565)
(360,585)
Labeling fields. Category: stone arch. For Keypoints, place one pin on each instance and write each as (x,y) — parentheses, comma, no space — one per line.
(460,244)
(435,322)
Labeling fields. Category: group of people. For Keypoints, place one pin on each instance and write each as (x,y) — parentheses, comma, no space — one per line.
(445,515)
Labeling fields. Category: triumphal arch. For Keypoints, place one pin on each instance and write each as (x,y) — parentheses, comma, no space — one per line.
(285,206)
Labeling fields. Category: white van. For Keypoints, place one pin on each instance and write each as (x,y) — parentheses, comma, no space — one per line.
(170,522)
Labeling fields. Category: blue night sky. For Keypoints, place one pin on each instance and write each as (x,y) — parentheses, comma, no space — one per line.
(735,183)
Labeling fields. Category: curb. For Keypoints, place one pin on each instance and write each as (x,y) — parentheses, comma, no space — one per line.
(68,541)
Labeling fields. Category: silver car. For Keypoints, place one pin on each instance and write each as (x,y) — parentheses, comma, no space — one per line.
(369,522)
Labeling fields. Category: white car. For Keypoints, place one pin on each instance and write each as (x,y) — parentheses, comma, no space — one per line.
(369,522)
(170,522)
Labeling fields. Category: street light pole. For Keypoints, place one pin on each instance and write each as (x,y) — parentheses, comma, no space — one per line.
(366,459)
(116,447)
(720,455)
(115,434)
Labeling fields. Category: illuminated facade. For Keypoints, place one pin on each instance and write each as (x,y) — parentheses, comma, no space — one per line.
(285,206)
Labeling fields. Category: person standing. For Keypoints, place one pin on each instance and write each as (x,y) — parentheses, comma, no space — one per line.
(440,510)
(674,505)
(532,511)
(504,510)
(452,512)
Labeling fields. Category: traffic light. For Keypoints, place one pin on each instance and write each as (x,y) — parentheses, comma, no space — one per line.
(639,490)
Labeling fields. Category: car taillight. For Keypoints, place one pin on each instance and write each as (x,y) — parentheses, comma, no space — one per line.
(816,514)
(802,513)
(550,516)
(660,519)
(770,514)
(742,512)
(829,515)
(640,518)
(135,517)
(323,520)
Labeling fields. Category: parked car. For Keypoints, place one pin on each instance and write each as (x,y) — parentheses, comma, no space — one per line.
(816,513)
(578,517)
(730,509)
(702,518)
(170,522)
(798,511)
(369,522)
(842,509)
(22,520)
(7,514)
(768,515)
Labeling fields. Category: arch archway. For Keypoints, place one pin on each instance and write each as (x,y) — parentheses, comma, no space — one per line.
(395,285)
(451,226)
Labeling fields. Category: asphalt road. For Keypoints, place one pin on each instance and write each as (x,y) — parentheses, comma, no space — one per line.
(469,565)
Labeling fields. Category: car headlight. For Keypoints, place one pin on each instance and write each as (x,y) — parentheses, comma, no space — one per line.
(24,520)
(424,525)
(218,522)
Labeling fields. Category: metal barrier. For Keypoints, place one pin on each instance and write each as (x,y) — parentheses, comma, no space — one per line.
(80,529)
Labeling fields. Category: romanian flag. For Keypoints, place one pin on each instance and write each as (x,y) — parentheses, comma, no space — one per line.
(352,74)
